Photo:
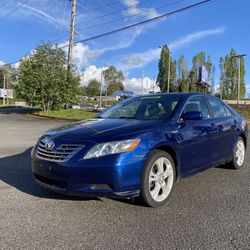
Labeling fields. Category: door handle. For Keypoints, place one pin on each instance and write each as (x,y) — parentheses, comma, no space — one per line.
(213,128)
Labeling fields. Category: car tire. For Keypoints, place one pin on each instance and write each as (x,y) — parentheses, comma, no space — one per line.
(239,154)
(158,179)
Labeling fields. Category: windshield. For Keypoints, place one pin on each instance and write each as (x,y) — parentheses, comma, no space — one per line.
(153,107)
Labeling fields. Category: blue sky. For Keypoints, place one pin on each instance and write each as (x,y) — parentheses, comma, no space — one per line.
(214,28)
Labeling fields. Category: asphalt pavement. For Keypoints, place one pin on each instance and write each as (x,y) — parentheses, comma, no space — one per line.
(210,210)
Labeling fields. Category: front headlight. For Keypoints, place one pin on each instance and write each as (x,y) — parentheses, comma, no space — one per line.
(112,148)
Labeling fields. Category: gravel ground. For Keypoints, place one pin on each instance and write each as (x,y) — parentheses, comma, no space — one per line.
(210,210)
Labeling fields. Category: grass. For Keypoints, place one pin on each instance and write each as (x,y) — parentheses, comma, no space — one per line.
(243,110)
(67,114)
(7,106)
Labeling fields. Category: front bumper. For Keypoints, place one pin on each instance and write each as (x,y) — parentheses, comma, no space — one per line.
(109,176)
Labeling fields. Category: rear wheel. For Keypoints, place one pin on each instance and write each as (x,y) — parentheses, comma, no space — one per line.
(158,179)
(239,154)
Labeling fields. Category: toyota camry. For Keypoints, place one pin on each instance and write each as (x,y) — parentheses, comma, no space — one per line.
(141,147)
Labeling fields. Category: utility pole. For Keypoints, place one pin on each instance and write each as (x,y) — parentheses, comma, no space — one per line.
(154,82)
(238,99)
(142,83)
(4,78)
(169,61)
(239,65)
(221,89)
(72,33)
(100,103)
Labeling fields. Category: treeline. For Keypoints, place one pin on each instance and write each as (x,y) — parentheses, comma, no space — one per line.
(182,78)
(42,79)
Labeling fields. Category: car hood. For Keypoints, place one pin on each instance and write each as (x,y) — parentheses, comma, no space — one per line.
(96,129)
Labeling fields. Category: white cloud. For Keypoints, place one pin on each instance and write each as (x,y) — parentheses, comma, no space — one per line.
(135,85)
(90,73)
(184,41)
(83,54)
(42,15)
(132,9)
(130,84)
(1,63)
(140,59)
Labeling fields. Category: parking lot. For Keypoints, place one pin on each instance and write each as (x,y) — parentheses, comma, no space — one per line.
(208,211)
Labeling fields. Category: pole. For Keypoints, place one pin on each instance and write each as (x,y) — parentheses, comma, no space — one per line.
(100,104)
(7,99)
(221,89)
(142,83)
(154,80)
(239,65)
(169,61)
(72,33)
(238,99)
(4,78)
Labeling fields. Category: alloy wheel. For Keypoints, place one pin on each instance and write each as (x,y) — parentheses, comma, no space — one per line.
(161,179)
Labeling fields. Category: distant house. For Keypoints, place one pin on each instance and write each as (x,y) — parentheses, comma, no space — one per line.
(106,98)
(123,94)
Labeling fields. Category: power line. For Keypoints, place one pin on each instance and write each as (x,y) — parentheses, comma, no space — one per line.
(134,25)
(15,9)
(4,4)
(29,26)
(116,11)
(100,7)
(143,22)
(136,15)
(64,19)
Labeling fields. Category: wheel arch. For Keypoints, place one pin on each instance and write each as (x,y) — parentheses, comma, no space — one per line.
(170,150)
(243,136)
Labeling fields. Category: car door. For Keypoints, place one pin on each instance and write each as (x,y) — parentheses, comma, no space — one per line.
(195,144)
(224,121)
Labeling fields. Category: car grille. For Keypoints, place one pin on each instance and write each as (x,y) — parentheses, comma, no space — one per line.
(61,153)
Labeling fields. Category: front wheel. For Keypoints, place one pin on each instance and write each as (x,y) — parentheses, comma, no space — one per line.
(239,154)
(158,179)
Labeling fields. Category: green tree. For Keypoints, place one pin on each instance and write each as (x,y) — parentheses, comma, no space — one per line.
(198,61)
(163,67)
(93,88)
(182,68)
(113,79)
(212,80)
(229,69)
(184,85)
(44,79)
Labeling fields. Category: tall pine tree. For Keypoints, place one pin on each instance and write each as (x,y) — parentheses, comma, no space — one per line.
(162,78)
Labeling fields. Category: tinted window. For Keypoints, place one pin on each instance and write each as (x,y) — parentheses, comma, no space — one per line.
(195,104)
(217,108)
(144,107)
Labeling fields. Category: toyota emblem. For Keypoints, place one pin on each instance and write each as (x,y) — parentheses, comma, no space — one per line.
(49,145)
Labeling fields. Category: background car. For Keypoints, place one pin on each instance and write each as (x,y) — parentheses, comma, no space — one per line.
(140,147)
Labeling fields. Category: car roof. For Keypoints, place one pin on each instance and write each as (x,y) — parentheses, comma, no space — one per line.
(179,94)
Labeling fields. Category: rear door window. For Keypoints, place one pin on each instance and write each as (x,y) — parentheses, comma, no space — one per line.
(217,108)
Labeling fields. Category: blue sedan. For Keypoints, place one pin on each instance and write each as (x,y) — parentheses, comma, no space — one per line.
(141,147)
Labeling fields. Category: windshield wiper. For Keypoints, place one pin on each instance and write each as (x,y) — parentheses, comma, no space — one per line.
(125,117)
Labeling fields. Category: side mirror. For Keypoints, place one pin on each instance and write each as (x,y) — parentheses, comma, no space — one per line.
(192,116)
